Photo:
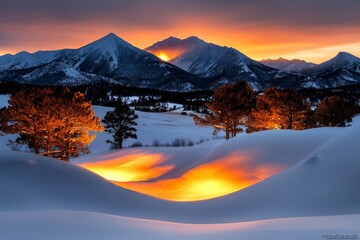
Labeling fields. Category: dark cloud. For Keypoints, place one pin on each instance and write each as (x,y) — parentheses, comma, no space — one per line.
(168,12)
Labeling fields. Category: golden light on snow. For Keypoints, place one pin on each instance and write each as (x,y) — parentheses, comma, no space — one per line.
(132,167)
(163,56)
(209,180)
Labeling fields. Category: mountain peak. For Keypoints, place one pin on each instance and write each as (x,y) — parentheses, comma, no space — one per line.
(343,60)
(109,42)
(345,57)
(171,38)
(111,35)
(194,38)
(340,59)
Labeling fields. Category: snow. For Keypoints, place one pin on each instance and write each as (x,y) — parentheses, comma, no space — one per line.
(313,192)
(294,65)
(26,60)
(86,225)
(322,183)
(164,127)
(109,46)
(4,98)
(341,60)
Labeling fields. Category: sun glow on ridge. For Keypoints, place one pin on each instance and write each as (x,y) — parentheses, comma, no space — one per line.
(163,56)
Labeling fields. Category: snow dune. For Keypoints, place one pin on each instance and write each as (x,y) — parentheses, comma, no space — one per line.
(59,225)
(208,170)
(325,182)
(298,185)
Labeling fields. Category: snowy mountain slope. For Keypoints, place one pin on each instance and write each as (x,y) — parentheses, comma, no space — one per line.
(55,73)
(219,65)
(294,65)
(194,65)
(191,54)
(341,60)
(27,60)
(109,58)
(342,70)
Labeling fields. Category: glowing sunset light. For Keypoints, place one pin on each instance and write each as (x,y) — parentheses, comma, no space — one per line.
(209,180)
(163,56)
(295,30)
(132,167)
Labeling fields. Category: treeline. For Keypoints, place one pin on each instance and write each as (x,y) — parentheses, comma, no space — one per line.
(105,93)
(235,105)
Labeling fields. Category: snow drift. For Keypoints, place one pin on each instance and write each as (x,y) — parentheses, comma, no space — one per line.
(325,182)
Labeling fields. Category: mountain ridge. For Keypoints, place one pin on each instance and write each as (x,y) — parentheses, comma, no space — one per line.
(194,65)
(108,58)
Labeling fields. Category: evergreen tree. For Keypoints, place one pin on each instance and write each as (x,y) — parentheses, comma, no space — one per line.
(334,111)
(120,124)
(2,118)
(230,107)
(53,123)
(276,109)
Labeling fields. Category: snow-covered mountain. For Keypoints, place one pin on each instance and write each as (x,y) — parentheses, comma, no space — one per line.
(215,64)
(193,65)
(341,60)
(110,58)
(191,54)
(294,65)
(342,70)
(24,59)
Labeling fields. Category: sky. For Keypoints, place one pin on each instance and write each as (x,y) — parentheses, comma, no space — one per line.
(313,30)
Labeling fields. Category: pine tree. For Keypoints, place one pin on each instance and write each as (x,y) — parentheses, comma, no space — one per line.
(231,105)
(120,124)
(53,123)
(276,109)
(334,111)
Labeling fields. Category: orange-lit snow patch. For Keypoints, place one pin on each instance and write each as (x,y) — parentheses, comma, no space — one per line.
(132,167)
(210,180)
(163,56)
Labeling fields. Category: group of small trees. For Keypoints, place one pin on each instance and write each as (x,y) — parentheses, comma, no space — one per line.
(59,123)
(334,111)
(231,105)
(277,109)
(236,104)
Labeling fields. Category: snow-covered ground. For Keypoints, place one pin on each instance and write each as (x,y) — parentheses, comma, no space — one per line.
(164,127)
(299,185)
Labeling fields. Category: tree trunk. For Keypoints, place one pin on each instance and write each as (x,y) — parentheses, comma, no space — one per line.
(227,134)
